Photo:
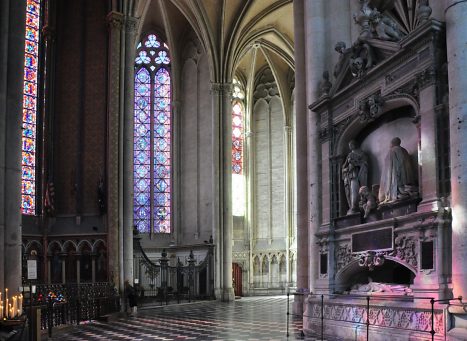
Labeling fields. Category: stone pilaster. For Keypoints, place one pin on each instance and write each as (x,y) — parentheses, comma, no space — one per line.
(288,185)
(315,48)
(4,16)
(217,205)
(248,168)
(176,166)
(128,123)
(301,152)
(12,31)
(456,39)
(115,24)
(223,109)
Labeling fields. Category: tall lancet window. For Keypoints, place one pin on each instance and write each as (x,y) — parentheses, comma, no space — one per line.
(238,180)
(30,107)
(152,137)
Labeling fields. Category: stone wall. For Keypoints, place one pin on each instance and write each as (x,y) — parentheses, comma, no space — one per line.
(81,108)
(196,148)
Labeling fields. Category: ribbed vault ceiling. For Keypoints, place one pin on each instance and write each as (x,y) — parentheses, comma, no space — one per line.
(240,36)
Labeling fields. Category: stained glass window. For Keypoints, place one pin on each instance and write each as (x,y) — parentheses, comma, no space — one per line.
(30,93)
(238,184)
(237,138)
(152,137)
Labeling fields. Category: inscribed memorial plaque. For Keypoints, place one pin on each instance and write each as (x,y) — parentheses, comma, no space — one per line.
(373,240)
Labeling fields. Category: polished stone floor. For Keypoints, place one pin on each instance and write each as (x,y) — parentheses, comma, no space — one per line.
(249,318)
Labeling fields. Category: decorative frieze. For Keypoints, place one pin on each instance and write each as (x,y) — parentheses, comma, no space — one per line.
(343,256)
(412,319)
(405,250)
(240,255)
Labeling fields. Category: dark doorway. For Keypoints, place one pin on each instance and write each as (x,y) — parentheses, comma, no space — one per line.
(237,279)
(202,283)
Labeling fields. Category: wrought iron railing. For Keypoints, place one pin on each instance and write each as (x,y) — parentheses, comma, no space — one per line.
(72,303)
(159,280)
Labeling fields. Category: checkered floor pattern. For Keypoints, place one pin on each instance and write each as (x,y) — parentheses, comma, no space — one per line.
(246,319)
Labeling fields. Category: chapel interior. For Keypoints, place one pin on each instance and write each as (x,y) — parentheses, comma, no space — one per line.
(225,149)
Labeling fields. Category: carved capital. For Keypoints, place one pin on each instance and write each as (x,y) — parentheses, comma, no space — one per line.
(249,134)
(131,25)
(427,77)
(115,20)
(324,135)
(176,104)
(323,245)
(221,88)
(49,33)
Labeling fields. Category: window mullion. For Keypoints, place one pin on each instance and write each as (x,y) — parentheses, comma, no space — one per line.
(151,158)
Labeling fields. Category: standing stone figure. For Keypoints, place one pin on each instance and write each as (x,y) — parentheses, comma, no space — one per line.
(354,174)
(397,177)
(343,52)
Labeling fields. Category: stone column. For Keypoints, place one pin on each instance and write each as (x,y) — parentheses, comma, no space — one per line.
(301,154)
(78,268)
(223,109)
(4,16)
(13,30)
(288,194)
(130,36)
(63,258)
(217,157)
(248,172)
(49,275)
(93,268)
(176,191)
(456,39)
(226,189)
(115,24)
(315,61)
